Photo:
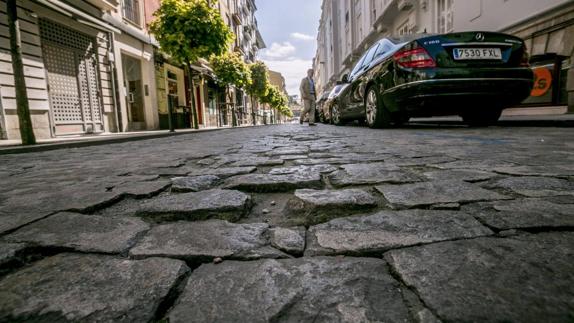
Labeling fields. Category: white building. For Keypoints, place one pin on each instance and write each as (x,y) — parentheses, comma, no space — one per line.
(347,28)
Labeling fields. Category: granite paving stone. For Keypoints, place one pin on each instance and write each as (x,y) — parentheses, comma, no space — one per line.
(9,252)
(205,240)
(224,172)
(292,290)
(94,288)
(194,183)
(436,192)
(385,230)
(535,186)
(142,189)
(517,279)
(274,183)
(321,169)
(86,233)
(526,214)
(374,173)
(466,175)
(217,203)
(289,240)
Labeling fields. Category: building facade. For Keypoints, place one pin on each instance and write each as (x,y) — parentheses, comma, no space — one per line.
(348,28)
(91,66)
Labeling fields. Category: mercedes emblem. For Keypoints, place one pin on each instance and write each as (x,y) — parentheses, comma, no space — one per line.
(479,36)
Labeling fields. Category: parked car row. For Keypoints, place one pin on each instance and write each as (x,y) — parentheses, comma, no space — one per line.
(471,74)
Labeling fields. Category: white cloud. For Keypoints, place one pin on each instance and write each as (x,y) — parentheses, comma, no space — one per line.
(292,69)
(279,50)
(300,36)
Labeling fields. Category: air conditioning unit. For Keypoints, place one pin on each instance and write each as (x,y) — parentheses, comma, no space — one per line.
(405,5)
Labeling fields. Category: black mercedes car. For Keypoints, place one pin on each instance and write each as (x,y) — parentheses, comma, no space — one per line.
(472,74)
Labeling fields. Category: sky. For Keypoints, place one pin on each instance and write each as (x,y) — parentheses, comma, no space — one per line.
(289,29)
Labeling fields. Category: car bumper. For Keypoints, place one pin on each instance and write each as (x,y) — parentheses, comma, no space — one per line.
(453,96)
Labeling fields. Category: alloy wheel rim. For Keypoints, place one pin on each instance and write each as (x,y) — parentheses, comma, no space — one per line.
(371,107)
(335,114)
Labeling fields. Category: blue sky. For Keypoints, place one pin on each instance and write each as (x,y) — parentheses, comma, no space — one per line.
(289,28)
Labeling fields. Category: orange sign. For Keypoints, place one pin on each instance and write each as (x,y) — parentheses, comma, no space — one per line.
(542,81)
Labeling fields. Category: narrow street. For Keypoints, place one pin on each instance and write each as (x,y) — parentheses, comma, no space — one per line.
(292,223)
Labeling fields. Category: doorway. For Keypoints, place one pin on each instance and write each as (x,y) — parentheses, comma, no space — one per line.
(133,85)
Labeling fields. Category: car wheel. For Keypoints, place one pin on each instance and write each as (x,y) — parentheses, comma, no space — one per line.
(482,118)
(376,114)
(336,115)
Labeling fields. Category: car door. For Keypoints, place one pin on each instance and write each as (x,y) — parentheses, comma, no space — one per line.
(359,82)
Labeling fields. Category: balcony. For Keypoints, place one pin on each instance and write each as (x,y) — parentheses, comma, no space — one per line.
(237,18)
(105,5)
(405,5)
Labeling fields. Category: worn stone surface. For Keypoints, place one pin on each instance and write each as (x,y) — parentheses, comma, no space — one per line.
(71,287)
(217,203)
(257,161)
(205,240)
(290,240)
(87,233)
(274,183)
(314,169)
(518,279)
(142,189)
(294,290)
(536,186)
(460,174)
(194,183)
(373,234)
(545,170)
(9,252)
(527,213)
(435,192)
(375,173)
(224,172)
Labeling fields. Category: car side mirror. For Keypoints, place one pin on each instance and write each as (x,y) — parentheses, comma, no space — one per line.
(345,78)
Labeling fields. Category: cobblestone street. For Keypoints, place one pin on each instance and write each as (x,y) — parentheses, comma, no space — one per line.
(294,224)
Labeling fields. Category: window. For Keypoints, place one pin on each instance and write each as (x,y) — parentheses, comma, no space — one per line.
(370,55)
(404,29)
(365,60)
(132,11)
(445,19)
(384,47)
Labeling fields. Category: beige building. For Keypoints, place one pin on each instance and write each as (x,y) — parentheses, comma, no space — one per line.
(348,28)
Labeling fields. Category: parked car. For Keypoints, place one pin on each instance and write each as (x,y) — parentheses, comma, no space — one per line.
(319,116)
(472,74)
(332,99)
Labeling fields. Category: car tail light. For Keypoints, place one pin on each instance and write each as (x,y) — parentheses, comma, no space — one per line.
(414,58)
(525,60)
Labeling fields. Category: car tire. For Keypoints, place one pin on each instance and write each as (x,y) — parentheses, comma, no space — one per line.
(376,115)
(482,118)
(336,115)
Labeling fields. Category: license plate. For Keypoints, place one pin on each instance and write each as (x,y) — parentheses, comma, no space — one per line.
(477,53)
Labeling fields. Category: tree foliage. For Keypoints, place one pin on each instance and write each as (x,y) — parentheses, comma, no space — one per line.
(259,85)
(230,69)
(190,29)
(277,100)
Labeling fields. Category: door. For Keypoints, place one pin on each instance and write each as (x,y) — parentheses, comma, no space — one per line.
(133,85)
(73,81)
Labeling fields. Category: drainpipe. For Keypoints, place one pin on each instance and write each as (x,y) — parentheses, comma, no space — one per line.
(115,97)
(3,132)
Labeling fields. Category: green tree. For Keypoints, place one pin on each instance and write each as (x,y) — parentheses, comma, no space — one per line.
(259,86)
(277,101)
(231,70)
(188,30)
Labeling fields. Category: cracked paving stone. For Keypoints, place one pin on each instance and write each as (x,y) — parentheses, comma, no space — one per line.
(436,192)
(486,165)
(546,170)
(290,240)
(220,204)
(194,183)
(72,287)
(375,173)
(274,183)
(86,233)
(205,240)
(527,213)
(316,206)
(525,278)
(374,234)
(224,172)
(288,151)
(142,189)
(257,161)
(461,174)
(9,252)
(535,186)
(321,169)
(292,290)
